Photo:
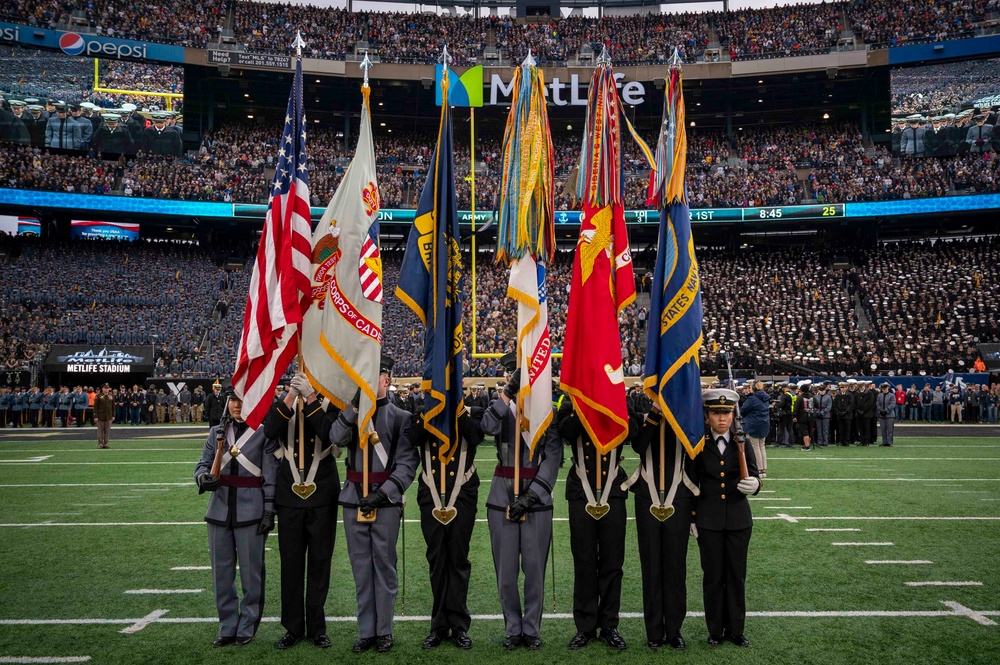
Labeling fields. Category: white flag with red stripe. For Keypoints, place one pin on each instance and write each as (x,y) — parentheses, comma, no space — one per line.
(527,287)
(279,287)
(342,331)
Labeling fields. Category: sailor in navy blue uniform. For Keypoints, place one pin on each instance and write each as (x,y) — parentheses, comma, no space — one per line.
(723,523)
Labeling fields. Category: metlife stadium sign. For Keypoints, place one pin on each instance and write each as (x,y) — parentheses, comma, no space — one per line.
(560,93)
(72,43)
(100,359)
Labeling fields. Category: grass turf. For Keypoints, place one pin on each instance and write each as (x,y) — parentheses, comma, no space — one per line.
(82,572)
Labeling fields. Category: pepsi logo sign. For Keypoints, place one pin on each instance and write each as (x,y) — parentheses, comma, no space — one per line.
(72,43)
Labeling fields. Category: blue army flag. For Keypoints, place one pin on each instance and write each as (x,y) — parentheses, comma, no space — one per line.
(672,377)
(430,284)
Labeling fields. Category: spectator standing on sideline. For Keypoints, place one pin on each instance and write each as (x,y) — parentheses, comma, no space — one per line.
(900,402)
(104,414)
(885,406)
(756,414)
(822,410)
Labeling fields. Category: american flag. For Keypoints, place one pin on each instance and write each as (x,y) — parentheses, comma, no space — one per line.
(370,266)
(280,285)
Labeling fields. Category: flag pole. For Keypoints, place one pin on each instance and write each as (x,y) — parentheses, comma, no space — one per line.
(363,438)
(300,403)
(663,446)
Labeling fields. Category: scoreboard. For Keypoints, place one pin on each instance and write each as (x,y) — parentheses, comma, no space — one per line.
(768,213)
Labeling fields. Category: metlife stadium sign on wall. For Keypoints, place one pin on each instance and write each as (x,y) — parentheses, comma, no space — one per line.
(77,359)
(72,43)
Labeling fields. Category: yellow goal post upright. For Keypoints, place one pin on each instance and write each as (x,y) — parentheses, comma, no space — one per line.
(168,96)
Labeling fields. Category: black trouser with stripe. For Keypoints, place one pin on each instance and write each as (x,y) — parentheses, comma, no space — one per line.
(598,548)
(448,559)
(663,550)
(306,538)
(724,563)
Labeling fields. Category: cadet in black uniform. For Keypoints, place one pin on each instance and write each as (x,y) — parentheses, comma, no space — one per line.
(306,505)
(597,517)
(723,523)
(663,541)
(447,519)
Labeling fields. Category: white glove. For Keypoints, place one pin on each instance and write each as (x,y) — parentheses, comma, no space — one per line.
(749,485)
(300,385)
(694,530)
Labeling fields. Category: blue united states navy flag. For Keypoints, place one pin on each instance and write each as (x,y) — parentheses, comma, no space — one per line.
(672,377)
(430,283)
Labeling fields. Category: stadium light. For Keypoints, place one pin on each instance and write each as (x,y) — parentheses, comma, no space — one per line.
(826,116)
(692,123)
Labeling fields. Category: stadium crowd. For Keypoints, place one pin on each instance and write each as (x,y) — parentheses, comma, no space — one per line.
(927,305)
(917,89)
(776,166)
(414,37)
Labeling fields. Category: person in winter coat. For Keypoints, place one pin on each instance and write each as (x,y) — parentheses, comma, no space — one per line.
(756,415)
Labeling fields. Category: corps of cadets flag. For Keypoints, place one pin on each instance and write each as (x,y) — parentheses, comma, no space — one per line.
(525,237)
(342,331)
(430,284)
(672,376)
(603,283)
(279,286)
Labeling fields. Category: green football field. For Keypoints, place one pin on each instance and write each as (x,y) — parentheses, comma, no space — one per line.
(859,555)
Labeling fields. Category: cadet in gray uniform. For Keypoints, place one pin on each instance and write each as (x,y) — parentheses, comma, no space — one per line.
(240,515)
(520,545)
(371,545)
(885,407)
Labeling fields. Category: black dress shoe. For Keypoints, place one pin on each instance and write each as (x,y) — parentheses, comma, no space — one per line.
(715,640)
(531,642)
(614,639)
(364,644)
(462,640)
(224,641)
(654,644)
(739,640)
(677,643)
(287,641)
(433,640)
(322,641)
(511,642)
(581,640)
(243,641)
(383,643)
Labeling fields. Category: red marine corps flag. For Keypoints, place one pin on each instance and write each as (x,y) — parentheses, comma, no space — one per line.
(603,283)
(342,332)
(279,286)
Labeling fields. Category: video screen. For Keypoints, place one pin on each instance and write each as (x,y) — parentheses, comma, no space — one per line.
(65,102)
(945,109)
(95,230)
(20,226)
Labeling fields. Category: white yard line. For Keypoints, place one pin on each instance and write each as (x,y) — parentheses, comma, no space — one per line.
(779,516)
(44,659)
(955,610)
(892,480)
(765,498)
(787,507)
(817,530)
(864,544)
(812,458)
(92,484)
(962,610)
(944,584)
(143,622)
(33,463)
(899,562)
(93,505)
(156,592)
(191,568)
